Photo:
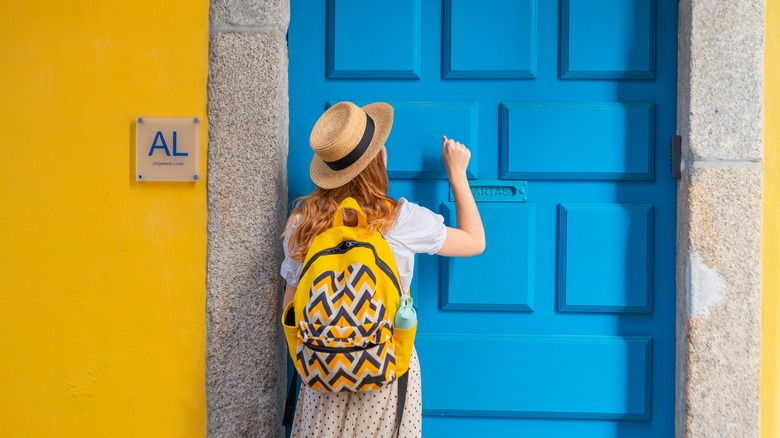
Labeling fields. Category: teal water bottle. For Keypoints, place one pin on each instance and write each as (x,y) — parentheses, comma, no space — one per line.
(406,318)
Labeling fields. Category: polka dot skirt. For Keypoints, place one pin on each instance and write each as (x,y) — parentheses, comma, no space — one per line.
(369,414)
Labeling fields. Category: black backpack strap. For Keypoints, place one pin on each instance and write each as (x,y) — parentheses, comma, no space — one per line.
(403,382)
(289,406)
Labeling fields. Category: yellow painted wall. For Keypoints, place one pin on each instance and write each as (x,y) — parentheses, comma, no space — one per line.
(102,300)
(770,330)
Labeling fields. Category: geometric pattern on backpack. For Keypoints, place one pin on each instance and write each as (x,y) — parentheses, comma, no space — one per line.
(344,338)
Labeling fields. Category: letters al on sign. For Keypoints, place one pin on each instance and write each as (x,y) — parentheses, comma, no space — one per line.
(167,149)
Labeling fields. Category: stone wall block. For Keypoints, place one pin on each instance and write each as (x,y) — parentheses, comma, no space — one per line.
(247,191)
(684,34)
(722,303)
(274,13)
(723,68)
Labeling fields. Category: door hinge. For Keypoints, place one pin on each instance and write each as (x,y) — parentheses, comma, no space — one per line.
(676,155)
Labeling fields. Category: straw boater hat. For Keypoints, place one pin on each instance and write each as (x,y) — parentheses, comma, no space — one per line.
(345,139)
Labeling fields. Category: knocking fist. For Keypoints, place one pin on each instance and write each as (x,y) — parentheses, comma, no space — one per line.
(455,156)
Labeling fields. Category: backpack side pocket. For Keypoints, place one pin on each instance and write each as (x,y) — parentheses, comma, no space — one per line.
(404,343)
(290,329)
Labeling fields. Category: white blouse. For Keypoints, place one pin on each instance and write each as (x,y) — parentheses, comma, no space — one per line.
(416,229)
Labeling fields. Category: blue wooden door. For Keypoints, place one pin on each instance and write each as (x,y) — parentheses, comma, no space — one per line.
(564,327)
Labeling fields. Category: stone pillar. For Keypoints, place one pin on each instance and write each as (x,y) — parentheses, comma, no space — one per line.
(719,218)
(247,198)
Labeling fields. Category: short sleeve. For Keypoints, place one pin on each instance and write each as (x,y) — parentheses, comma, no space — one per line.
(419,229)
(291,269)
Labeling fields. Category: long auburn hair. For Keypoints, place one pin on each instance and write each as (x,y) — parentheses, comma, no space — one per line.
(315,211)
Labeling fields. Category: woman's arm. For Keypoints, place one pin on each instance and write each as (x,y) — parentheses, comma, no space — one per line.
(289,266)
(289,291)
(468,239)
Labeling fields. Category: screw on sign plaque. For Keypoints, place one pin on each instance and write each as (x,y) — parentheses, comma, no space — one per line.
(167,149)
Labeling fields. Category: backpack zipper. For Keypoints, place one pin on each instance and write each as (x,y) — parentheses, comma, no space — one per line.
(345,246)
(322,349)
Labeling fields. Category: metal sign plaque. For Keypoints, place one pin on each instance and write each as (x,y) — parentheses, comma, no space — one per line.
(497,191)
(167,149)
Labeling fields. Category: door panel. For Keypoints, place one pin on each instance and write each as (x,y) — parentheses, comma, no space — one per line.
(509,249)
(565,325)
(549,376)
(564,141)
(478,36)
(603,39)
(430,119)
(618,280)
(374,40)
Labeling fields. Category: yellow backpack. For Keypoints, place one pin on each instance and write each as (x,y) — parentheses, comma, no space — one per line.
(339,326)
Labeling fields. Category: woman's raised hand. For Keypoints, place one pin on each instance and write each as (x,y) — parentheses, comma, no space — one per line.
(468,238)
(455,156)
